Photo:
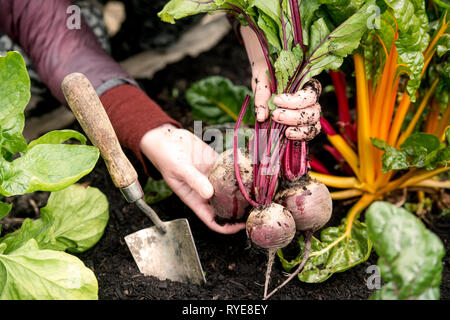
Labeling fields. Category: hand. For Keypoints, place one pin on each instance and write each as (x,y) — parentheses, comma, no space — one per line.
(299,111)
(184,161)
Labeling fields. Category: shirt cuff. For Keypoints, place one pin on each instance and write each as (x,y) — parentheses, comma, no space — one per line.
(133,113)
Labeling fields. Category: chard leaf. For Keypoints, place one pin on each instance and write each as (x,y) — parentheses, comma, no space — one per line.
(410,256)
(156,191)
(47,167)
(335,46)
(58,137)
(217,100)
(392,159)
(30,273)
(73,220)
(5,208)
(14,97)
(420,150)
(410,19)
(323,264)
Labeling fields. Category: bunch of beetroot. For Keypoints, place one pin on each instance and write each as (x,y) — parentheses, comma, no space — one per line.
(268,183)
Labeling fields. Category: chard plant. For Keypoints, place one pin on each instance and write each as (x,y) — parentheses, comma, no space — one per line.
(393,143)
(34,260)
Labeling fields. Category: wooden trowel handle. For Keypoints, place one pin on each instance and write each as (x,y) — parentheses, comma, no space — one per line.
(90,113)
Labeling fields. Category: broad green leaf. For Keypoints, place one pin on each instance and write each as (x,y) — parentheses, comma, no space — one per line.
(14,97)
(47,167)
(410,19)
(58,137)
(410,256)
(156,191)
(30,273)
(74,219)
(325,260)
(341,9)
(217,100)
(285,67)
(420,150)
(177,9)
(392,159)
(5,208)
(335,46)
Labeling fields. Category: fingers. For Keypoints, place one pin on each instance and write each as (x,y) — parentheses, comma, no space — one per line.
(301,99)
(302,117)
(303,133)
(201,208)
(197,181)
(261,88)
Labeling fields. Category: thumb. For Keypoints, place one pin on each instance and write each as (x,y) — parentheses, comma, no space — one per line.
(198,182)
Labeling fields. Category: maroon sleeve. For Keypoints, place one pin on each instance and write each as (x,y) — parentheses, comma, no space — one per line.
(40,28)
(118,101)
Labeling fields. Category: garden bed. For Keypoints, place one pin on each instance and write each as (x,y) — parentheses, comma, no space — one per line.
(234,268)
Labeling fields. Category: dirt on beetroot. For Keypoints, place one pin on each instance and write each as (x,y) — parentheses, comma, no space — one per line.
(234,268)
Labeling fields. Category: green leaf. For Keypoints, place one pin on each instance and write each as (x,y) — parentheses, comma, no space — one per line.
(334,47)
(409,17)
(325,260)
(420,150)
(58,137)
(177,9)
(156,191)
(410,256)
(31,274)
(285,67)
(14,97)
(392,159)
(74,219)
(47,167)
(5,208)
(216,100)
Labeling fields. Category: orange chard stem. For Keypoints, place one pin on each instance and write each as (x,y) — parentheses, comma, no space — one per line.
(365,148)
(399,117)
(432,120)
(444,122)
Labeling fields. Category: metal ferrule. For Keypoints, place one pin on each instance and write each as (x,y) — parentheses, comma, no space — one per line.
(133,192)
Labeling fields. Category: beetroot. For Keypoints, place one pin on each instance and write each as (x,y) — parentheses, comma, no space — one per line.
(270,227)
(228,201)
(309,201)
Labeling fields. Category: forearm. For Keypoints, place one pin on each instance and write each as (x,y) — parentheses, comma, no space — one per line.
(40,28)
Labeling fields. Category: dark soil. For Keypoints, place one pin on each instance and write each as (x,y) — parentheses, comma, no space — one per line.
(234,268)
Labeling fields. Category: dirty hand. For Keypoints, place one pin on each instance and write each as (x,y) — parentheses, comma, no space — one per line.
(184,161)
(299,111)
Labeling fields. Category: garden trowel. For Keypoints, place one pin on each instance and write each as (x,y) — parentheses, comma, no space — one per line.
(166,250)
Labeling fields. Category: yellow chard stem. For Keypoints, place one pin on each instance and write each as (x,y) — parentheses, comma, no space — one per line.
(347,153)
(336,182)
(416,117)
(365,148)
(422,175)
(431,183)
(346,194)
